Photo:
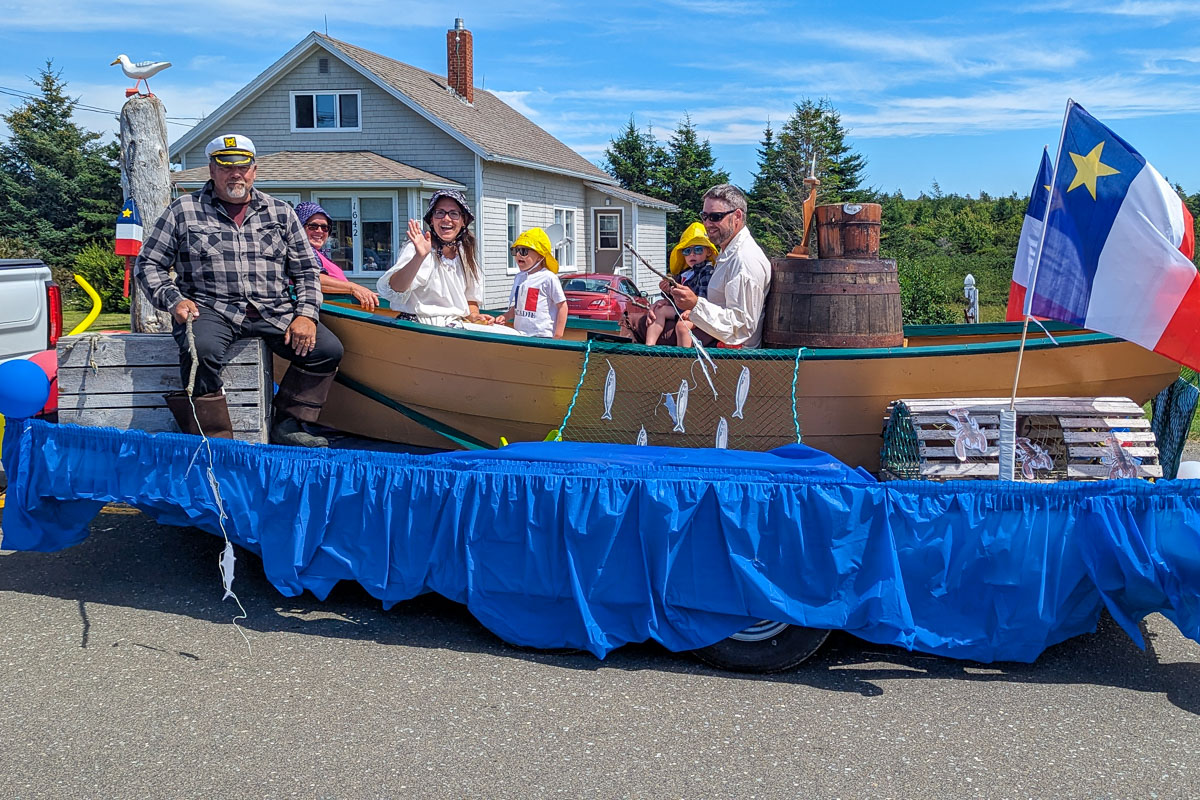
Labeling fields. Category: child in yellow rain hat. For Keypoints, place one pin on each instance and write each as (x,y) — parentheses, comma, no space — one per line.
(692,265)
(536,304)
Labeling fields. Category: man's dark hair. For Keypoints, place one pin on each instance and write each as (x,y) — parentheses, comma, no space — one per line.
(729,194)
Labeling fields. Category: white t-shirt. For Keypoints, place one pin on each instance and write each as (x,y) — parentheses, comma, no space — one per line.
(439,293)
(535,296)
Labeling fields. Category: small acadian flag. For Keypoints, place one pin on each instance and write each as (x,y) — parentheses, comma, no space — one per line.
(129,230)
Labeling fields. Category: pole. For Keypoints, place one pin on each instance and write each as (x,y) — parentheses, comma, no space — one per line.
(145,176)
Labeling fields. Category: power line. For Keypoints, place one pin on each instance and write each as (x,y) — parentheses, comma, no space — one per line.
(185,121)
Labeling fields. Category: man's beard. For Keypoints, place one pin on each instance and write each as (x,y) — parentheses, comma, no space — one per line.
(237,191)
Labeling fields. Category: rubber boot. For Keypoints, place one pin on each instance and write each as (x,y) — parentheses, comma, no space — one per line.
(211,409)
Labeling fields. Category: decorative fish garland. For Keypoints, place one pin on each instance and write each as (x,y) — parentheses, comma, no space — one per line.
(610,391)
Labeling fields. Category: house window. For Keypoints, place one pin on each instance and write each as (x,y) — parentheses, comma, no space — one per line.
(313,111)
(362,231)
(514,230)
(565,253)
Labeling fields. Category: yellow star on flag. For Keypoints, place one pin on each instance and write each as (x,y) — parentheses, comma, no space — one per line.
(1088,168)
(126,213)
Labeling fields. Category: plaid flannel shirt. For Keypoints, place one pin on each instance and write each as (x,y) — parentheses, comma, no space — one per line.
(227,268)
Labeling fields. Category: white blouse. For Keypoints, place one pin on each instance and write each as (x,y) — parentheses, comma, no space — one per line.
(439,293)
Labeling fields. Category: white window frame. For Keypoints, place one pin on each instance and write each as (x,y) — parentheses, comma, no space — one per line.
(337,109)
(291,198)
(356,227)
(573,265)
(511,262)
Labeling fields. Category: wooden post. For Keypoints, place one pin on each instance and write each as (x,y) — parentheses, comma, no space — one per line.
(146,176)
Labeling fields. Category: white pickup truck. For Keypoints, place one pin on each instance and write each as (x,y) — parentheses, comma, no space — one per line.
(30,308)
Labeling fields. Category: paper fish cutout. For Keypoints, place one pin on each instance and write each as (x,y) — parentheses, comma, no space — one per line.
(681,400)
(610,391)
(722,434)
(742,392)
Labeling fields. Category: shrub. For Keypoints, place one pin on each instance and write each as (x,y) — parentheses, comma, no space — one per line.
(925,297)
(105,271)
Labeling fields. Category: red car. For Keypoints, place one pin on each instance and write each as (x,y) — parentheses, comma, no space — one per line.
(597,295)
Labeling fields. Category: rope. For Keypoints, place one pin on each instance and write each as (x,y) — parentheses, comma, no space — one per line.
(226,560)
(587,354)
(795,375)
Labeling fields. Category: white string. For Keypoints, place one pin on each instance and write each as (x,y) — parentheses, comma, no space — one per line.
(226,569)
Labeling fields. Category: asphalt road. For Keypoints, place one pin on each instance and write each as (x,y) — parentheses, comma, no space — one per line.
(123,677)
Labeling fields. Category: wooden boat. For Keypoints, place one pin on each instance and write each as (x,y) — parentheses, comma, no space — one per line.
(447,388)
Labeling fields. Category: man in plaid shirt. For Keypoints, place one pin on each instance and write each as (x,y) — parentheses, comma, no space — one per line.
(243,268)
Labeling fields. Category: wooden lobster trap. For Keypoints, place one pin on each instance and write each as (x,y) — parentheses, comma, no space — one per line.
(1057,438)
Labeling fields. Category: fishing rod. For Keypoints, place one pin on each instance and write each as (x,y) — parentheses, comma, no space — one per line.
(650,266)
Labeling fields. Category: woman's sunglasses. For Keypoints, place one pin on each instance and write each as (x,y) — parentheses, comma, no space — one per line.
(317,226)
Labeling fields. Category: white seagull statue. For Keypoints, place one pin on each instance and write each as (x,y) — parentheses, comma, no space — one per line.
(141,71)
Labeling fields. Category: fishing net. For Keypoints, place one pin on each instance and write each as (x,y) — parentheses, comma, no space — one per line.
(1172,410)
(684,397)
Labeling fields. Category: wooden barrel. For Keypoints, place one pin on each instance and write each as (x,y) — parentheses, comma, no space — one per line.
(833,302)
(848,230)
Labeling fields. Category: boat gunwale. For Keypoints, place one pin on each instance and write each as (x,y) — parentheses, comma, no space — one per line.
(788,354)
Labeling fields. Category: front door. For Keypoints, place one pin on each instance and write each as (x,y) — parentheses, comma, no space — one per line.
(606,253)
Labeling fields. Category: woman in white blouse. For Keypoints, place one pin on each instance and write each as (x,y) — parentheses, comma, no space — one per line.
(436,279)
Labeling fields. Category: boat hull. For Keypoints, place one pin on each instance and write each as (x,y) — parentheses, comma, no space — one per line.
(476,388)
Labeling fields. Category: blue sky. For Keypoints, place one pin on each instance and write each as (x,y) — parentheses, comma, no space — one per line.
(964,94)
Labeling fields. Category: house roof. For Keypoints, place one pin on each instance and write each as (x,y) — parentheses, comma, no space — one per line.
(354,167)
(628,196)
(489,127)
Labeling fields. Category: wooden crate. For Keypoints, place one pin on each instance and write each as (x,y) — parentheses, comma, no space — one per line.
(118,381)
(1059,438)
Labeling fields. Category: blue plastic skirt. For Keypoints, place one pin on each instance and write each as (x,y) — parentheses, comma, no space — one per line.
(593,546)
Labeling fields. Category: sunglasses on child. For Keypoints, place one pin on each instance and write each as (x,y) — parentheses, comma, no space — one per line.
(715,216)
(317,226)
(698,250)
(521,251)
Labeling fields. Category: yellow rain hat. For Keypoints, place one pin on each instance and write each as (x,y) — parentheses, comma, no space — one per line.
(692,236)
(537,241)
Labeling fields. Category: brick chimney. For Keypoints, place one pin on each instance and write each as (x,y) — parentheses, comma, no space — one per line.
(460,71)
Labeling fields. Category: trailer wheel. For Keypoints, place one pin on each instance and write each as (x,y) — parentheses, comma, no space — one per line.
(764,647)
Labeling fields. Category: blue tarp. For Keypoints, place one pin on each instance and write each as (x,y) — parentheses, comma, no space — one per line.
(592,546)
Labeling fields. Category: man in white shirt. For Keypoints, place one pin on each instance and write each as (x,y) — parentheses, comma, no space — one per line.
(733,309)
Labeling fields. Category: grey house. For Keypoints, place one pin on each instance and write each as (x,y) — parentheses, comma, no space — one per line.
(371,138)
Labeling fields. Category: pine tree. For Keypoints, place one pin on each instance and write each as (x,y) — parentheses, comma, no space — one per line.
(634,158)
(59,186)
(766,193)
(814,129)
(685,174)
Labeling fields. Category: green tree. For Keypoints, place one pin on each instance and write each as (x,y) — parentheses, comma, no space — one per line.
(59,185)
(813,132)
(687,171)
(766,193)
(634,158)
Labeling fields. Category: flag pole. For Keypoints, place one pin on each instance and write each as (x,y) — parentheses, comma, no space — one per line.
(1027,306)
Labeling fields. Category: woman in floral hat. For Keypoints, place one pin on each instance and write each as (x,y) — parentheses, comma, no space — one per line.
(436,280)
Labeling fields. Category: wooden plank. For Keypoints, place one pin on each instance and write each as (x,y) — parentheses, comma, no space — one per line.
(948,452)
(244,397)
(1100,436)
(1139,421)
(1026,406)
(155,420)
(942,419)
(1101,471)
(926,435)
(117,380)
(138,350)
(960,470)
(1078,451)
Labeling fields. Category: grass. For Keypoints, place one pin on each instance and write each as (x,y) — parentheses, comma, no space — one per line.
(112,321)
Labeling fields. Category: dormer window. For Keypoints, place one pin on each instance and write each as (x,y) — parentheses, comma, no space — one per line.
(326,111)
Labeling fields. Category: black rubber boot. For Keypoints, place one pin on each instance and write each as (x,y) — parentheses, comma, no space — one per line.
(290,431)
(301,394)
(211,409)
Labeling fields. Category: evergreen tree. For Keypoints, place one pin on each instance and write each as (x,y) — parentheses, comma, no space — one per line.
(766,193)
(686,172)
(814,129)
(634,158)
(59,186)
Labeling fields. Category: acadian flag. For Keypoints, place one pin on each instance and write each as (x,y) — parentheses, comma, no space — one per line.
(129,230)
(1031,239)
(1117,251)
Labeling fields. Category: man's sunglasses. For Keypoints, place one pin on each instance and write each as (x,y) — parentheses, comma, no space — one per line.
(698,250)
(317,226)
(521,251)
(715,216)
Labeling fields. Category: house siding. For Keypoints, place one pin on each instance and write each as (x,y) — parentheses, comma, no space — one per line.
(652,245)
(539,194)
(389,127)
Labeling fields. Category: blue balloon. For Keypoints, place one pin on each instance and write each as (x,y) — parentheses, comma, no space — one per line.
(24,388)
